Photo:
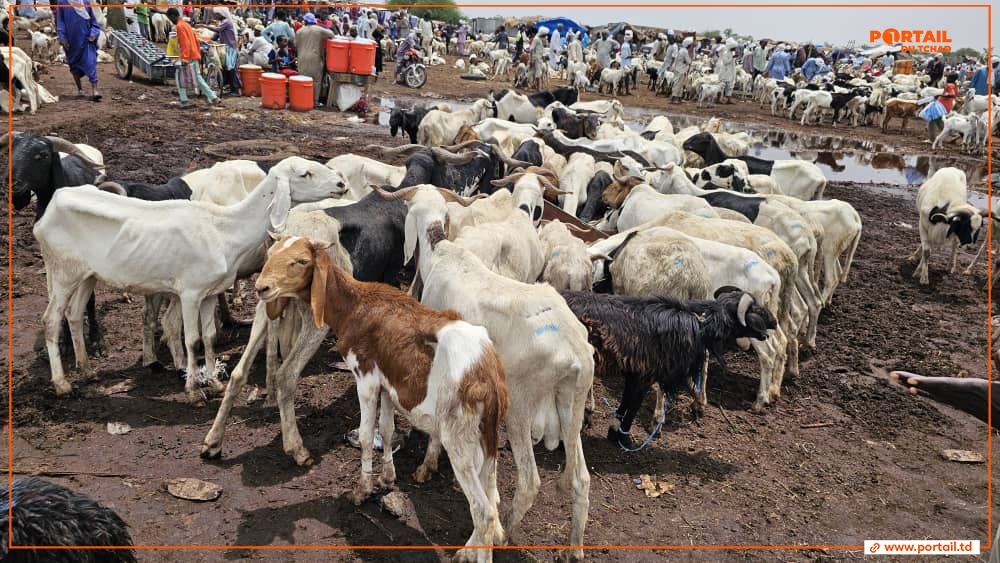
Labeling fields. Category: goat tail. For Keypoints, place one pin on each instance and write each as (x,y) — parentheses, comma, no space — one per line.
(850,257)
(113,187)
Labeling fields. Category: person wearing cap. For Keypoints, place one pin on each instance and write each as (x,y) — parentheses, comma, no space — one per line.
(626,51)
(260,51)
(188,71)
(725,67)
(537,48)
(604,47)
(979,82)
(311,44)
(671,52)
(780,63)
(364,26)
(682,62)
(574,49)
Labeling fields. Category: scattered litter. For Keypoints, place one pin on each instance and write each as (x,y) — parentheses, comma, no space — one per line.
(652,488)
(120,387)
(237,116)
(816,425)
(193,489)
(118,428)
(963,456)
(141,96)
(398,438)
(355,119)
(903,225)
(397,504)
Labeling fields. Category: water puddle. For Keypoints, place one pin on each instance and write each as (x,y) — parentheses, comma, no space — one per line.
(840,159)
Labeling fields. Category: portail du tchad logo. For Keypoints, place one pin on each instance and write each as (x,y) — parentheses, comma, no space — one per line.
(925,41)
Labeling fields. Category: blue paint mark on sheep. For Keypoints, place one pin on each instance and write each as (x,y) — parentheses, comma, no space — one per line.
(796,226)
(546,328)
(678,262)
(771,253)
(555,253)
(751,264)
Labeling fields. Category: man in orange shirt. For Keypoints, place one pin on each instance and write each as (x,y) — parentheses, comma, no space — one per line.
(188,73)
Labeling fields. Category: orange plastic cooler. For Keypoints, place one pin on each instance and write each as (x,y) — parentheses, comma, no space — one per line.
(250,76)
(300,93)
(338,54)
(362,56)
(274,90)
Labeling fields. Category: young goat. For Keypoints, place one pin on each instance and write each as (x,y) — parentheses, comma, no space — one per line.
(442,373)
(661,340)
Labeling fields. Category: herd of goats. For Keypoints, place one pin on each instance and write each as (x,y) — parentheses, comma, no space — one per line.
(540,242)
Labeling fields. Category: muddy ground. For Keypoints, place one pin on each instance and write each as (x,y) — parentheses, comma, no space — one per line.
(841,458)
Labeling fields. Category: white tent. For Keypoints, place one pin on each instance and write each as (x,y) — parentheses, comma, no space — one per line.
(880,50)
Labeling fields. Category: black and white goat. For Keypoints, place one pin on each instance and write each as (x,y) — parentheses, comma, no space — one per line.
(662,340)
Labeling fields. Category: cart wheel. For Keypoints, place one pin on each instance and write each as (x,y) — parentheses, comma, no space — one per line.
(123,63)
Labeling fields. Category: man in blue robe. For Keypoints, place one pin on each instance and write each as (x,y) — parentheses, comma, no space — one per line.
(78,30)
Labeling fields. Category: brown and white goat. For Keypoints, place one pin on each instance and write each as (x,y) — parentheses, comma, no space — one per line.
(441,372)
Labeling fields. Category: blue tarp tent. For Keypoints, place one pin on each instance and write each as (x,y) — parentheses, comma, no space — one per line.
(568,25)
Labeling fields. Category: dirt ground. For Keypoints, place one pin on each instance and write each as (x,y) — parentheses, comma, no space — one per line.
(842,457)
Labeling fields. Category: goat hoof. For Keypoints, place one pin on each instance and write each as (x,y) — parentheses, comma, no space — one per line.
(386,483)
(358,496)
(302,457)
(211,452)
(423,474)
(465,555)
(619,438)
(759,407)
(63,388)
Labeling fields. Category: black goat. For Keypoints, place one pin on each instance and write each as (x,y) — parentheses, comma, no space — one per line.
(44,513)
(37,167)
(596,206)
(529,151)
(661,340)
(567,150)
(565,95)
(408,120)
(576,125)
(465,173)
(371,231)
(175,188)
(705,146)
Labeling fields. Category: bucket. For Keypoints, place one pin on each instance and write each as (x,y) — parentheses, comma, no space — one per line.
(362,56)
(173,49)
(300,93)
(273,89)
(337,56)
(250,76)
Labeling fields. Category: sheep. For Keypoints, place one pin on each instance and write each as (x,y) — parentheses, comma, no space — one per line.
(573,179)
(190,249)
(896,107)
(360,172)
(945,213)
(725,265)
(510,248)
(224,183)
(515,107)
(442,373)
(41,46)
(439,128)
(567,263)
(647,340)
(964,125)
(46,514)
(606,109)
(612,79)
(711,92)
(634,263)
(548,362)
(580,81)
(529,189)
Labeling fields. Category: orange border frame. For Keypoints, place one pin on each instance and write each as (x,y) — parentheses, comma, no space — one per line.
(10,294)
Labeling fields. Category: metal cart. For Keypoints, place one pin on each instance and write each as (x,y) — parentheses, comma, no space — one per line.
(131,51)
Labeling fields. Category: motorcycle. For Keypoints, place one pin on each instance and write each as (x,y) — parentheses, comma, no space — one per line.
(412,71)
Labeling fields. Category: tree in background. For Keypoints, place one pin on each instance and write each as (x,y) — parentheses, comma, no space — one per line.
(449,14)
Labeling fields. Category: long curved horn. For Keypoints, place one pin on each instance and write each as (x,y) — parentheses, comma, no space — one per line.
(462,145)
(549,187)
(741,310)
(449,195)
(452,158)
(575,228)
(62,145)
(508,180)
(395,151)
(506,159)
(113,187)
(5,140)
(401,195)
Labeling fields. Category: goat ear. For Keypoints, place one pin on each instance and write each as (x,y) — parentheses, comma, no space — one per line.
(725,289)
(317,293)
(281,203)
(275,308)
